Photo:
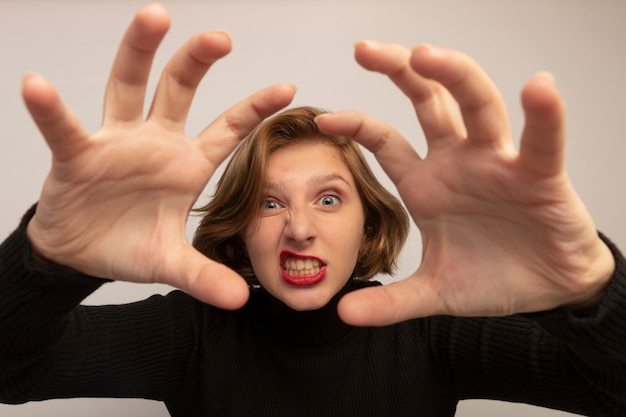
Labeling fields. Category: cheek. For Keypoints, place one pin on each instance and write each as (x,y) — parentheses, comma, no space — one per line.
(260,239)
(358,241)
(349,240)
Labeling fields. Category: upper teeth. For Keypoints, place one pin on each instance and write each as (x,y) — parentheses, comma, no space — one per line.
(296,265)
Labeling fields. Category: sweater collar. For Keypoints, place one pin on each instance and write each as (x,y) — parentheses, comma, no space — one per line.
(315,328)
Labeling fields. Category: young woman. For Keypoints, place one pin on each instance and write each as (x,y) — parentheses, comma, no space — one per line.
(300,212)
(300,216)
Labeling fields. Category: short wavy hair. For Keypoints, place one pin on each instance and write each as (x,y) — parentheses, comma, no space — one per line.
(239,192)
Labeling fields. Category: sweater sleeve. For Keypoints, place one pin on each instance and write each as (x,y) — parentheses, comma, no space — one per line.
(52,347)
(556,359)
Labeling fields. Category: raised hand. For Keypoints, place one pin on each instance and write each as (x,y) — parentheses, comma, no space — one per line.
(116,202)
(503,230)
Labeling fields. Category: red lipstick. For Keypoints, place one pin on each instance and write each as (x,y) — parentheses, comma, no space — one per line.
(301,278)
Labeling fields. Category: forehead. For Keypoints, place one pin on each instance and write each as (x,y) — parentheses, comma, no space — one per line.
(307,153)
(307,160)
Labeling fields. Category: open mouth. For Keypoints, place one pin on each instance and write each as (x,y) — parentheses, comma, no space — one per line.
(301,270)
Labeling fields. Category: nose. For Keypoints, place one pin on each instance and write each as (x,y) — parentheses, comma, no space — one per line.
(300,226)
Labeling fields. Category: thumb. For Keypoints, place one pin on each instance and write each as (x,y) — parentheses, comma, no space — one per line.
(210,282)
(389,304)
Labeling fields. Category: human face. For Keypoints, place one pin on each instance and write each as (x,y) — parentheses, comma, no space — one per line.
(305,245)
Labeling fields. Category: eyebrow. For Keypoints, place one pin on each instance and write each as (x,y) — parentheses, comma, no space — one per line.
(325,179)
(317,180)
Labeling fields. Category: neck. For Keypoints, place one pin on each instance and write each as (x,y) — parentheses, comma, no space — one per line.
(312,328)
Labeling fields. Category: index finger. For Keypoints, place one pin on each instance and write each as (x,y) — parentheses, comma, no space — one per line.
(436,110)
(232,126)
(482,107)
(395,154)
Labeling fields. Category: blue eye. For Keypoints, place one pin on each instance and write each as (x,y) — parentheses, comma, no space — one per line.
(270,205)
(329,200)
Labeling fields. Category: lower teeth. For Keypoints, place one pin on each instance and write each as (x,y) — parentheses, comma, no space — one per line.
(302,272)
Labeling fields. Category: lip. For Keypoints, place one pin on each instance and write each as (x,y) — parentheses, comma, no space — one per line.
(301,281)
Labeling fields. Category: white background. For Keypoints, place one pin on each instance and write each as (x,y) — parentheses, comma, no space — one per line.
(309,43)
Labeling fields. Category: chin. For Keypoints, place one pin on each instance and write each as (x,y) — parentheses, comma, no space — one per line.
(306,302)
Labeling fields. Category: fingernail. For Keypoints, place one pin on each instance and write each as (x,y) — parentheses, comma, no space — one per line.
(429,49)
(29,76)
(547,76)
(367,43)
(224,33)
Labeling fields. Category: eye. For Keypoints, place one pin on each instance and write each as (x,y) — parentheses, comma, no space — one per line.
(270,205)
(329,200)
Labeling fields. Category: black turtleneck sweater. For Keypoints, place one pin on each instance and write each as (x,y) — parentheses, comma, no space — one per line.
(268,360)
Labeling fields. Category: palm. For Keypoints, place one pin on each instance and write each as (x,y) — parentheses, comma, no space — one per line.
(115,203)
(483,219)
(141,184)
(502,230)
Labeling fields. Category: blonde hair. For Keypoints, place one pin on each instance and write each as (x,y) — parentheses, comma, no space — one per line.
(239,192)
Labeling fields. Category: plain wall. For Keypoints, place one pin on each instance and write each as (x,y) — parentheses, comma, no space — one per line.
(309,43)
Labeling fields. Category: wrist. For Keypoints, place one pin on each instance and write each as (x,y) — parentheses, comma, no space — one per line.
(596,282)
(37,258)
